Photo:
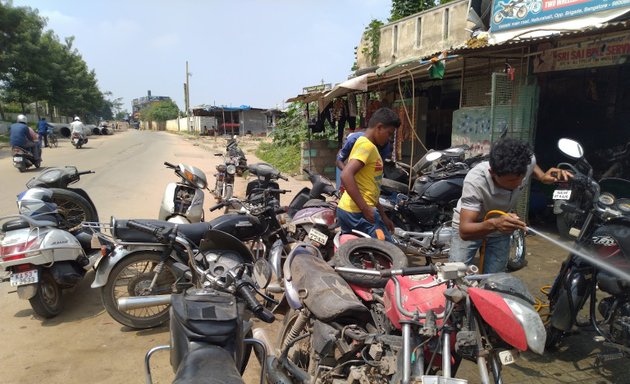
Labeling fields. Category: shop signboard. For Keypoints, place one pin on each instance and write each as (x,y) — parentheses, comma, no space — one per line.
(320,88)
(578,54)
(516,14)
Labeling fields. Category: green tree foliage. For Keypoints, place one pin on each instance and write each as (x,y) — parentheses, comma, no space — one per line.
(160,111)
(404,8)
(36,67)
(372,35)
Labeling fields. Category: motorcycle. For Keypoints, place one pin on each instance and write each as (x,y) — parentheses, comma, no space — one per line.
(422,216)
(401,333)
(235,152)
(182,201)
(210,324)
(139,265)
(224,184)
(604,233)
(24,159)
(74,205)
(266,177)
(78,140)
(311,217)
(510,10)
(41,258)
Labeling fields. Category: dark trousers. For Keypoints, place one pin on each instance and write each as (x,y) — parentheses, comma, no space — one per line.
(43,136)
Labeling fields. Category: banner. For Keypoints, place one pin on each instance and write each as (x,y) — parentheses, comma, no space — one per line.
(514,14)
(584,54)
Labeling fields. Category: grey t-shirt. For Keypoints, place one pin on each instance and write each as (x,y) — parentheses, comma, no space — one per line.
(481,194)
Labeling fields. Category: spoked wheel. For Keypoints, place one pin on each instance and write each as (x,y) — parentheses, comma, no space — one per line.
(369,254)
(516,257)
(133,277)
(47,301)
(73,209)
(52,141)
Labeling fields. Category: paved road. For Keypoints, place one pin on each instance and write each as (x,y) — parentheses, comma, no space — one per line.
(84,345)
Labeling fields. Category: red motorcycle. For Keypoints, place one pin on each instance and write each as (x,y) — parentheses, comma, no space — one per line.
(424,322)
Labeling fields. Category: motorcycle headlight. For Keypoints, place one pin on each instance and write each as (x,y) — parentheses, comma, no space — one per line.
(221,167)
(231,169)
(530,321)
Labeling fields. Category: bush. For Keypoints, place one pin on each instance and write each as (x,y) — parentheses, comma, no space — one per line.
(286,158)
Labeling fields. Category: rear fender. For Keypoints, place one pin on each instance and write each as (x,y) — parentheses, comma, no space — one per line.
(495,311)
(107,263)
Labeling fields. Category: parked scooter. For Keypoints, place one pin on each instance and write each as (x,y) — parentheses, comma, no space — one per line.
(78,140)
(182,201)
(42,259)
(604,233)
(74,205)
(210,323)
(24,159)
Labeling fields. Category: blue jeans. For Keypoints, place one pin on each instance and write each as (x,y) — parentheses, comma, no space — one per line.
(496,256)
(349,221)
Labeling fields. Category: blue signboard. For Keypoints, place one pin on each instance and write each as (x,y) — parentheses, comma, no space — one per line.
(514,14)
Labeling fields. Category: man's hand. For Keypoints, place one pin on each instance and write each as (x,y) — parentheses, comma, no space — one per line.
(508,223)
(388,223)
(368,213)
(554,175)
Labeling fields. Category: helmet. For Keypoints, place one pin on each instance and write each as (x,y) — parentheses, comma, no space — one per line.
(21,119)
(76,118)
(37,204)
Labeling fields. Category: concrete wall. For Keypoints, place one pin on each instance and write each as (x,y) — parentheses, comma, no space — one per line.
(253,121)
(320,157)
(420,35)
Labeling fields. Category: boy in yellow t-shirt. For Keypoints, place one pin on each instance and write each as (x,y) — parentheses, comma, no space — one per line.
(358,207)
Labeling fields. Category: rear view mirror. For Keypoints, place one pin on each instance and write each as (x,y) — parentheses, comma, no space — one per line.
(262,273)
(432,156)
(571,148)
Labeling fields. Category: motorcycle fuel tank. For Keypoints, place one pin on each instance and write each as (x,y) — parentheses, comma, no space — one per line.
(243,227)
(421,299)
(440,191)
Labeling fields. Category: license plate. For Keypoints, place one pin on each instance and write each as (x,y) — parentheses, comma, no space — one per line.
(318,236)
(562,194)
(17,159)
(22,278)
(508,357)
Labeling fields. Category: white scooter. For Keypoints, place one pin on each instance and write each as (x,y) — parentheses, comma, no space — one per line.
(40,259)
(182,202)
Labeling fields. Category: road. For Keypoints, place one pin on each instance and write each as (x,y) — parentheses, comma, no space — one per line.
(85,345)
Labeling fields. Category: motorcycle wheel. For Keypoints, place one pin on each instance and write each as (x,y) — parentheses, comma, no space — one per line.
(299,353)
(73,209)
(369,254)
(554,335)
(522,12)
(47,301)
(498,17)
(130,277)
(516,257)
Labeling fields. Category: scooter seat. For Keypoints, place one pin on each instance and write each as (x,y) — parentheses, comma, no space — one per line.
(16,224)
(194,232)
(315,203)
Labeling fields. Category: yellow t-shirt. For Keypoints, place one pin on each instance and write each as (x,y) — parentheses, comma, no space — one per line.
(368,179)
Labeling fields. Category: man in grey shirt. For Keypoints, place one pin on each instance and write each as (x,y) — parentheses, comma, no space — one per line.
(495,185)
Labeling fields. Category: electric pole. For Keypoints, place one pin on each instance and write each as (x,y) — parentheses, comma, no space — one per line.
(187,98)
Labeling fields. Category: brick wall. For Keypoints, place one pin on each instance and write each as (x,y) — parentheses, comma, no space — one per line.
(320,157)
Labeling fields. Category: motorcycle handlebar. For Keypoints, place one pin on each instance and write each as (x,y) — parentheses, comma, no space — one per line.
(407,271)
(85,173)
(246,293)
(283,177)
(170,165)
(215,207)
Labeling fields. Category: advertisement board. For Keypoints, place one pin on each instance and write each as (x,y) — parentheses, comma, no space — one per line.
(516,14)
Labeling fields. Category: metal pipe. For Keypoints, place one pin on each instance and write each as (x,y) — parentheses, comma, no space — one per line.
(137,302)
(406,334)
(446,354)
(147,361)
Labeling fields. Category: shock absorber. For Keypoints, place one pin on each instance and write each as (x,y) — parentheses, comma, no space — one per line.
(297,327)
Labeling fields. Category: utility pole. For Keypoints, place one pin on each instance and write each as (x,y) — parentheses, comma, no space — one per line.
(187,97)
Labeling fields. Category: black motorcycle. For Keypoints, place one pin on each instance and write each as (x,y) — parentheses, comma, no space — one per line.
(266,177)
(24,159)
(604,235)
(210,326)
(314,196)
(74,204)
(234,151)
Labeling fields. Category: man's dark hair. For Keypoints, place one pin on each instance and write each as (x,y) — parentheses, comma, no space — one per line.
(510,157)
(384,116)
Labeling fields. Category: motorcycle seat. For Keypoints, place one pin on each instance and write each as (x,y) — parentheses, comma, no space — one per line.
(394,186)
(208,364)
(194,232)
(315,203)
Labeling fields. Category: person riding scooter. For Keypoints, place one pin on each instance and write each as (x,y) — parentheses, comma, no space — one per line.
(21,137)
(78,127)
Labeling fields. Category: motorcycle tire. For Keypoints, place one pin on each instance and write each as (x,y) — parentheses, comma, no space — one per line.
(128,277)
(299,353)
(554,335)
(518,250)
(369,254)
(73,209)
(498,17)
(47,301)
(522,12)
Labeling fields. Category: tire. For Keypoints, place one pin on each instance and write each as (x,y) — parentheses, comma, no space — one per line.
(554,335)
(127,279)
(365,253)
(299,353)
(73,209)
(52,141)
(498,17)
(522,12)
(518,251)
(47,301)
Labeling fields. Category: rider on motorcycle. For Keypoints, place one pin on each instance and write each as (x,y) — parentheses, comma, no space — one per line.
(22,137)
(78,127)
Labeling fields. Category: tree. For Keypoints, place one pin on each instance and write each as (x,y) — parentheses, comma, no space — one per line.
(160,111)
(404,8)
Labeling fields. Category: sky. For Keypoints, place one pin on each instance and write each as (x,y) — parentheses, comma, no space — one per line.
(239,52)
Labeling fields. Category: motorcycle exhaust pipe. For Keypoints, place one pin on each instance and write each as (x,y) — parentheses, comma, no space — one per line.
(137,302)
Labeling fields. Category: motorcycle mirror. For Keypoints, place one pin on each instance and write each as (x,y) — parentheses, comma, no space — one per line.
(432,156)
(571,148)
(262,273)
